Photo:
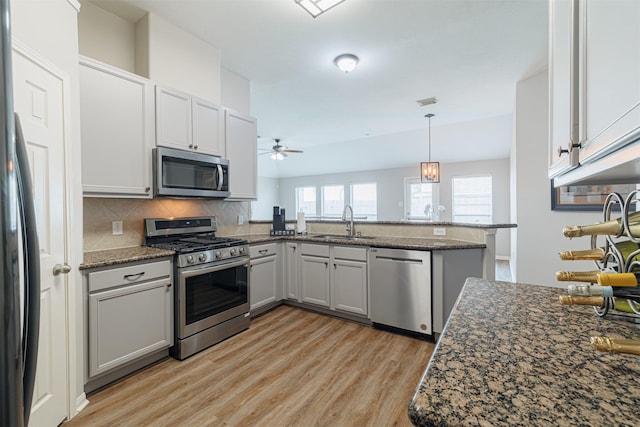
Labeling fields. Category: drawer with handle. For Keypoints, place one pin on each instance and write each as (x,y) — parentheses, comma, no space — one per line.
(131,274)
(259,251)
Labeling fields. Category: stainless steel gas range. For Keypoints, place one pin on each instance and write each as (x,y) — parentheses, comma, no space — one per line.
(211,277)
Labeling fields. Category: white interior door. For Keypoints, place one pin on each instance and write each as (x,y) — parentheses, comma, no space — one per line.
(39,101)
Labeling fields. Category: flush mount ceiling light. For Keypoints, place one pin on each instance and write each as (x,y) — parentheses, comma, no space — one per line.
(317,7)
(427,101)
(346,62)
(430,171)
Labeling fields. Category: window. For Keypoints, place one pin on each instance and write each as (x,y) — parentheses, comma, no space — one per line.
(364,201)
(332,201)
(472,199)
(421,200)
(306,201)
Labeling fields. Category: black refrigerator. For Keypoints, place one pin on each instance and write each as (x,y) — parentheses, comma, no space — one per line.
(19,253)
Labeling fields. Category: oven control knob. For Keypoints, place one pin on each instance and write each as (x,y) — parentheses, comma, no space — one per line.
(241,250)
(218,254)
(202,257)
(190,259)
(232,251)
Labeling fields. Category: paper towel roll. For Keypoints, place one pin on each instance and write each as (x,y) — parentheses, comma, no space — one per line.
(301,225)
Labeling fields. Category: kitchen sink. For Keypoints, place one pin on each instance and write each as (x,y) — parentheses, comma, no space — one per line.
(341,237)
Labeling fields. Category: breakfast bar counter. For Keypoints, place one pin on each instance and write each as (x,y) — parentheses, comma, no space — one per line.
(510,354)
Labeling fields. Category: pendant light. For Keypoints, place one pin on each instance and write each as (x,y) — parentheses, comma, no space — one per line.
(430,171)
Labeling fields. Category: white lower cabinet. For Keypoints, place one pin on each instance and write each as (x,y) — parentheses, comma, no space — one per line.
(349,283)
(264,275)
(334,277)
(130,314)
(314,279)
(291,278)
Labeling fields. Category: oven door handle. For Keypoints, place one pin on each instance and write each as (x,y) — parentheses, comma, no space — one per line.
(195,271)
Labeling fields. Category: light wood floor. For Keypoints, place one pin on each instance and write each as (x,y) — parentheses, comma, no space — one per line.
(291,368)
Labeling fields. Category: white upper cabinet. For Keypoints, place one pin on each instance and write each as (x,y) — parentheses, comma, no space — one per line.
(117,131)
(188,123)
(563,88)
(610,80)
(241,139)
(598,43)
(208,127)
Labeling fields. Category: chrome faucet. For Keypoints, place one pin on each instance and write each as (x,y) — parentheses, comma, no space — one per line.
(350,229)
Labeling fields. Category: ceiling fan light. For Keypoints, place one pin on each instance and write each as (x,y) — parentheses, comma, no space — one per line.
(346,62)
(278,156)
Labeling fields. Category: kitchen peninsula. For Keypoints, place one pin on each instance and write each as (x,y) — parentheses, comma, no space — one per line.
(512,355)
(420,235)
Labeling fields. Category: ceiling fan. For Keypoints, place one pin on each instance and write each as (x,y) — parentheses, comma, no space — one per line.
(279,152)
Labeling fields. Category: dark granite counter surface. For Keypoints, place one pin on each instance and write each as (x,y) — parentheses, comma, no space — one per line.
(511,355)
(402,222)
(121,256)
(384,242)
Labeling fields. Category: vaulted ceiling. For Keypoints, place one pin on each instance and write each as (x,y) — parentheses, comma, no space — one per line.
(469,54)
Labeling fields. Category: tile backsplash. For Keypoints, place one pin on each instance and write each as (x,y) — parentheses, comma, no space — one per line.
(99,213)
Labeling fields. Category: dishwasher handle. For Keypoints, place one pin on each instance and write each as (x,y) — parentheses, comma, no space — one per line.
(395,259)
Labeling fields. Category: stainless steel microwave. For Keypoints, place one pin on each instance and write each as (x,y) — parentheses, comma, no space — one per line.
(178,173)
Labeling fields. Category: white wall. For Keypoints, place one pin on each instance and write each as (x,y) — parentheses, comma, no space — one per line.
(390,184)
(186,63)
(106,37)
(235,91)
(180,60)
(538,238)
(268,197)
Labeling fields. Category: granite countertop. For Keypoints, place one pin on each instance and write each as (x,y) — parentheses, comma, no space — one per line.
(510,354)
(384,242)
(121,256)
(399,222)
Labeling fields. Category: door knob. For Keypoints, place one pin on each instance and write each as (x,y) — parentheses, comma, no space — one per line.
(61,269)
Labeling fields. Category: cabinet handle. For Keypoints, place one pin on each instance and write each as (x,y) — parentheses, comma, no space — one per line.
(133,276)
(195,147)
(190,145)
(263,251)
(335,266)
(562,151)
(326,264)
(61,269)
(147,189)
(168,285)
(571,146)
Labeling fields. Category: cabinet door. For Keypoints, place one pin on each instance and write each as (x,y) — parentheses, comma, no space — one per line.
(241,146)
(349,286)
(173,119)
(291,271)
(610,52)
(208,126)
(263,282)
(117,131)
(563,86)
(314,280)
(129,322)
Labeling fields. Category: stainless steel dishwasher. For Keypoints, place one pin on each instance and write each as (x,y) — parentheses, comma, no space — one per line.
(400,289)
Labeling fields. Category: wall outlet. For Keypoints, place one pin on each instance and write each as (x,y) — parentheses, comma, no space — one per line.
(240,219)
(116,228)
(439,231)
